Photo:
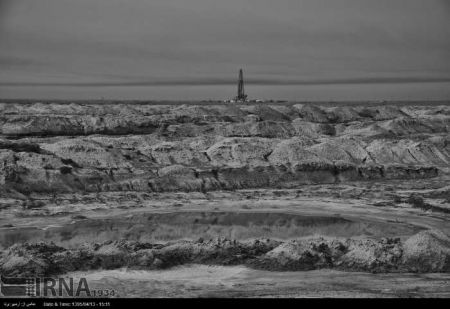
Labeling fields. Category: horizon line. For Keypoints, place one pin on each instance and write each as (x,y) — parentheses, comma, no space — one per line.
(226,82)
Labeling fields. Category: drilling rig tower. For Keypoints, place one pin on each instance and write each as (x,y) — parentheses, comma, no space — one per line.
(241,96)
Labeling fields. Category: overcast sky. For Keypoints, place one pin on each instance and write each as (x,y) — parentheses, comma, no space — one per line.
(91,43)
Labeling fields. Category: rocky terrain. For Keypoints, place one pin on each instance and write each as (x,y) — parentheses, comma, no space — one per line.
(97,148)
(274,187)
(427,251)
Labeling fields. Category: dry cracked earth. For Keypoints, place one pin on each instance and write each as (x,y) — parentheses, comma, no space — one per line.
(216,200)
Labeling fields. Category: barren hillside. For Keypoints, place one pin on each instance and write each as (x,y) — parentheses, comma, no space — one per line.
(92,148)
(86,188)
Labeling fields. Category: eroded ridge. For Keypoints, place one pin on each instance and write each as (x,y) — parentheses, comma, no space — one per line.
(153,148)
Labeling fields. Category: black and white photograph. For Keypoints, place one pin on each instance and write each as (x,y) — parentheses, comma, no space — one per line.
(206,149)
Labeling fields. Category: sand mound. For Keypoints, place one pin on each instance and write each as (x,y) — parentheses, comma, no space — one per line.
(305,254)
(311,129)
(291,151)
(266,113)
(371,255)
(312,113)
(27,260)
(427,251)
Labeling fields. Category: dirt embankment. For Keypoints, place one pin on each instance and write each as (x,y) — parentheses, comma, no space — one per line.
(427,251)
(93,147)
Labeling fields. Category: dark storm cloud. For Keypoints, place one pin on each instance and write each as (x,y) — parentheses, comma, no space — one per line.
(134,42)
